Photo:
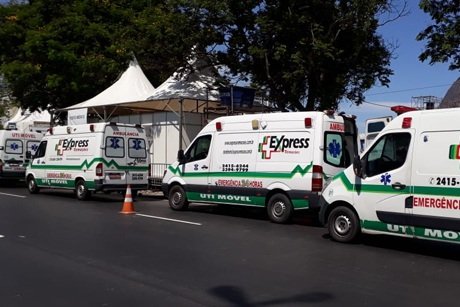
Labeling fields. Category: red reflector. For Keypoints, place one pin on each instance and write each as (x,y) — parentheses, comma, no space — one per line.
(100,169)
(218,126)
(91,128)
(317,178)
(407,122)
(307,122)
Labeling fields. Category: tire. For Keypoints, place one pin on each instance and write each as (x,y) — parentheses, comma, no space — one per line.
(32,185)
(177,198)
(81,192)
(279,208)
(343,224)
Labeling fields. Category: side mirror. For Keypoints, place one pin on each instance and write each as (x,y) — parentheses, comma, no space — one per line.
(181,156)
(357,167)
(28,155)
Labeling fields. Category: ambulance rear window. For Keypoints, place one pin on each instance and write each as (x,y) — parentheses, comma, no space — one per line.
(13,146)
(114,147)
(32,147)
(137,148)
(334,149)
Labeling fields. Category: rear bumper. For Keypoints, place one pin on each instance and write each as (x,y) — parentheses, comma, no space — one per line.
(12,175)
(100,186)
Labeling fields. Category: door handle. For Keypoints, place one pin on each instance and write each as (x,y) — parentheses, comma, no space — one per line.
(204,167)
(398,186)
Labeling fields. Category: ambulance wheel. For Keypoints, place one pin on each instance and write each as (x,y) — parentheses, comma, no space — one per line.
(177,198)
(343,224)
(32,185)
(279,208)
(81,191)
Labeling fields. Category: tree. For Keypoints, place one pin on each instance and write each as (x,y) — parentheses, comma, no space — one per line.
(57,53)
(309,54)
(443,37)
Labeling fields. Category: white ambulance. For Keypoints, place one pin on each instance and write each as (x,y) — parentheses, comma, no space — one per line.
(15,145)
(90,157)
(407,183)
(272,160)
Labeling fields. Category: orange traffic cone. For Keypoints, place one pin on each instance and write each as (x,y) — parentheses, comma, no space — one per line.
(128,206)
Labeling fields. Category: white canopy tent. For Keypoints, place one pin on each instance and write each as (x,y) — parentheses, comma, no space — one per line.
(132,85)
(26,120)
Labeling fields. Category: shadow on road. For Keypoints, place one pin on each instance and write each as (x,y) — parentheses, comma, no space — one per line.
(414,246)
(303,217)
(237,297)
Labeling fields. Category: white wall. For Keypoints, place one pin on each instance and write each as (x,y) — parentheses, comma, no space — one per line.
(164,132)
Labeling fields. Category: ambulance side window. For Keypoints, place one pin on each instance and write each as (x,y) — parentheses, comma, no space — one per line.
(114,147)
(13,146)
(41,150)
(199,149)
(388,153)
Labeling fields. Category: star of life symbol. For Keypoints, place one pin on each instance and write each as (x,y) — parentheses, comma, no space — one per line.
(137,144)
(334,149)
(267,153)
(114,143)
(385,179)
(14,146)
(60,148)
(34,147)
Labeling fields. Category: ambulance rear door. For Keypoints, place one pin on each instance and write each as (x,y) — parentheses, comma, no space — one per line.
(125,155)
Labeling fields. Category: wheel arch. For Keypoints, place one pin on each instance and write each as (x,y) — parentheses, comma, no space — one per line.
(273,192)
(339,203)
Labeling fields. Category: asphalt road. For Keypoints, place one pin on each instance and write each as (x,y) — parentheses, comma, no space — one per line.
(57,251)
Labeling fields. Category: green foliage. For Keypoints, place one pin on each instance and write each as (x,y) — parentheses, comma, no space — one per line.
(303,54)
(443,37)
(59,53)
(309,54)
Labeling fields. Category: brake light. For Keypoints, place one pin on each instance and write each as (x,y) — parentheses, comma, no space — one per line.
(100,169)
(218,126)
(407,122)
(317,178)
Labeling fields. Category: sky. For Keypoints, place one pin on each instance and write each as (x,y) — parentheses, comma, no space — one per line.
(411,77)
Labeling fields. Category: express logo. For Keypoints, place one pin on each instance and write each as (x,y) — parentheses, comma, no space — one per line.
(273,144)
(69,144)
(454,152)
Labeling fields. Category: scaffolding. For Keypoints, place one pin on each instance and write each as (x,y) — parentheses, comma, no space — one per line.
(425,102)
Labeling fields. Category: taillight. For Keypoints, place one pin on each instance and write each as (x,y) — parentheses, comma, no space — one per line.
(317,178)
(1,166)
(407,122)
(150,170)
(100,169)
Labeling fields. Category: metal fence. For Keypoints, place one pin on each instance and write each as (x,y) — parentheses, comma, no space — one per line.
(157,171)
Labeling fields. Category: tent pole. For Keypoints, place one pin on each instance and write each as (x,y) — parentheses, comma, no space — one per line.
(181,100)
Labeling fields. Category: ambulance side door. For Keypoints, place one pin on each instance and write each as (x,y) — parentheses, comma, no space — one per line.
(436,180)
(38,163)
(383,194)
(195,168)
